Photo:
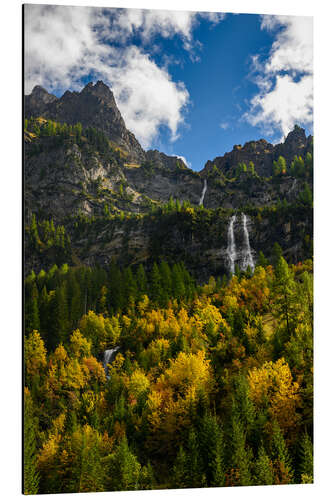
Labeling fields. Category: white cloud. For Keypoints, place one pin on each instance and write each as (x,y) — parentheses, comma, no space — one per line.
(224,125)
(187,163)
(288,103)
(285,79)
(58,41)
(65,44)
(165,23)
(293,48)
(148,23)
(147,96)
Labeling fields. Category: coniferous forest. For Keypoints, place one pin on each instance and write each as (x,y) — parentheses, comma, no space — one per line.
(210,386)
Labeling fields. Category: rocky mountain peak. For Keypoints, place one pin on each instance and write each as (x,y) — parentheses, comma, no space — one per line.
(296,137)
(95,106)
(38,101)
(100,90)
(262,153)
(38,90)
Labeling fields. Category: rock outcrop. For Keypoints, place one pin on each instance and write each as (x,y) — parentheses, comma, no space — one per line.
(262,153)
(94,106)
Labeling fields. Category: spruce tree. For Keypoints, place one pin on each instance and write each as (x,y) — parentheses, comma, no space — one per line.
(44,311)
(141,280)
(116,288)
(195,477)
(155,284)
(178,286)
(280,456)
(305,467)
(166,281)
(90,470)
(262,261)
(30,476)
(147,478)
(179,473)
(276,254)
(32,321)
(263,472)
(212,449)
(76,305)
(130,287)
(284,293)
(123,472)
(240,457)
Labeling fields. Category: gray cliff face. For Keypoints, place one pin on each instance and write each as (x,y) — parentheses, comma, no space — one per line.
(37,103)
(94,106)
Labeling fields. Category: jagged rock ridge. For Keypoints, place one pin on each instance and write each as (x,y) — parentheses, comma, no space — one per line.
(94,106)
(262,153)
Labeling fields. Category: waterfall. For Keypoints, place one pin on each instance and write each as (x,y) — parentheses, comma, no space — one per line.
(247,260)
(293,185)
(203,192)
(231,250)
(109,356)
(243,256)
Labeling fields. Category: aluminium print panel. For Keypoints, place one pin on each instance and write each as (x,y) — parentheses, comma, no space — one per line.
(168,257)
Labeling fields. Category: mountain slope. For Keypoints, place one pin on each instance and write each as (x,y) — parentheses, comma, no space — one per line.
(97,181)
(94,106)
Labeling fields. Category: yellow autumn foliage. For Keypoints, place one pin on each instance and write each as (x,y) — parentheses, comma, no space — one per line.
(79,345)
(34,353)
(272,387)
(138,384)
(177,389)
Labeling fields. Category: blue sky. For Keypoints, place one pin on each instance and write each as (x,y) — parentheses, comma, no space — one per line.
(220,88)
(187,84)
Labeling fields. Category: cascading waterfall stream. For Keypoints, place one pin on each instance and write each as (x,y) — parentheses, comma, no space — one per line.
(293,185)
(203,192)
(247,260)
(109,356)
(231,250)
(243,256)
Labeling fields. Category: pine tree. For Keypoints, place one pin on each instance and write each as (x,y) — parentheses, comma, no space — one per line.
(306,196)
(280,456)
(243,408)
(124,469)
(262,261)
(305,459)
(240,458)
(212,450)
(58,311)
(178,286)
(44,311)
(147,479)
(76,306)
(166,281)
(195,477)
(263,472)
(32,321)
(90,471)
(34,236)
(276,254)
(179,475)
(155,284)
(31,476)
(116,288)
(141,280)
(284,292)
(130,287)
